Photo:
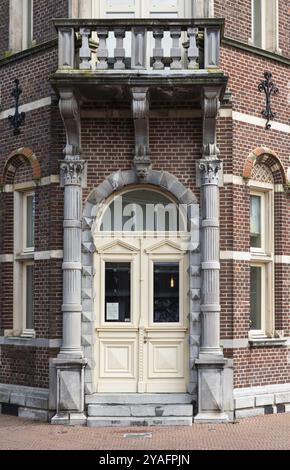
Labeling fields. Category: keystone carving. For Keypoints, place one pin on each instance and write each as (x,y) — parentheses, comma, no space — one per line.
(140,110)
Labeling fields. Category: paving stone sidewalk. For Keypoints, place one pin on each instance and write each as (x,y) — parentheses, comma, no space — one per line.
(266,432)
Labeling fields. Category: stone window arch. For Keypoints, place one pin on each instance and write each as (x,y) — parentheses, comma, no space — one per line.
(162,181)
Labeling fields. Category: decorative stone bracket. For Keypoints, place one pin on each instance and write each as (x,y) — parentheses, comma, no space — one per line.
(69,107)
(140,110)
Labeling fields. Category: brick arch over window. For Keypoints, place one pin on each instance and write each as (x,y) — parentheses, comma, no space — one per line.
(265,156)
(15,160)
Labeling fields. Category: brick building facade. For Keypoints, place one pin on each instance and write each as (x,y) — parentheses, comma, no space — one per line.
(66,352)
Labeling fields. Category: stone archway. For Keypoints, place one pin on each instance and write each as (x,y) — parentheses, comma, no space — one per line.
(116,182)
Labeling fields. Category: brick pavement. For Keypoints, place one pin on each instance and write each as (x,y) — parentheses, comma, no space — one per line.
(266,432)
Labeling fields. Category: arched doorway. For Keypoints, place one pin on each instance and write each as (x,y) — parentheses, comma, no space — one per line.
(141,294)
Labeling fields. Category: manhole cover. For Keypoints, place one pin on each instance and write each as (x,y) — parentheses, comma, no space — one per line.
(138,435)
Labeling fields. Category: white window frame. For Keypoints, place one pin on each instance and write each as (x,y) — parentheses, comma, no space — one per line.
(27,25)
(23,256)
(265,19)
(20,38)
(25,247)
(264,257)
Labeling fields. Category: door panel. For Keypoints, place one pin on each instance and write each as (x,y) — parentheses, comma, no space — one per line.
(137,350)
(120,8)
(117,361)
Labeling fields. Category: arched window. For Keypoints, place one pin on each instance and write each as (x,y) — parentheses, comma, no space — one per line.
(262,251)
(143,210)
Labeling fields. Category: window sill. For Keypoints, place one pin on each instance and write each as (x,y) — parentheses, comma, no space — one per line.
(264,342)
(29,255)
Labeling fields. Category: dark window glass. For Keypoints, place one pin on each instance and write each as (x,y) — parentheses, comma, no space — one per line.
(30,220)
(256,296)
(166,292)
(30,297)
(257,23)
(118,292)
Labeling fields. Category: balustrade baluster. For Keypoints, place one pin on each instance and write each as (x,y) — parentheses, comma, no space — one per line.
(158,52)
(85,51)
(193,51)
(102,53)
(175,51)
(119,51)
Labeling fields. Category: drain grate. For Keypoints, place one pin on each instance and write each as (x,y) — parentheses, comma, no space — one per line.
(138,435)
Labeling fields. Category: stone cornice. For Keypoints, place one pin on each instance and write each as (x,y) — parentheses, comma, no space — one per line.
(255,50)
(29,52)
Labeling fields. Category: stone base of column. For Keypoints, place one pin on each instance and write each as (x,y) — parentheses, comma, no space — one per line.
(70,391)
(211,405)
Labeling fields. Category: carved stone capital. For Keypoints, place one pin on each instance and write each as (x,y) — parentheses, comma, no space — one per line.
(72,172)
(70,112)
(140,110)
(209,171)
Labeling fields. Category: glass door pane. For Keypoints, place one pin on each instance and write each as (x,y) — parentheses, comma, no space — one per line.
(166,292)
(118,292)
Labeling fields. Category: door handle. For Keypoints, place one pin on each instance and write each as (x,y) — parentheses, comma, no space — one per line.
(146,338)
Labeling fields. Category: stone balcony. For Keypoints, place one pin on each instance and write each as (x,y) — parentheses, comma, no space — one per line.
(174,58)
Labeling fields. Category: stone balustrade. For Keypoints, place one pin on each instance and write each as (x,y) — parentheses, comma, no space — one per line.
(152,45)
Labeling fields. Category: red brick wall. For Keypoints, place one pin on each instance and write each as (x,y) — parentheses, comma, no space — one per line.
(4,26)
(238,21)
(261,366)
(43,28)
(238,18)
(25,366)
(43,12)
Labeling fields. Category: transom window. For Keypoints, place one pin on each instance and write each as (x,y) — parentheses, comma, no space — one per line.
(143,210)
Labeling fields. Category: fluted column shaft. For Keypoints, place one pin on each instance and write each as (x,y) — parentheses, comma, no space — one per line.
(71,176)
(210,252)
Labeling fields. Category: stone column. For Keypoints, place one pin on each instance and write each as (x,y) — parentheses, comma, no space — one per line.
(211,362)
(70,362)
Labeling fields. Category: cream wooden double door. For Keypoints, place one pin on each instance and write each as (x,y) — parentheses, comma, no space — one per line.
(141,307)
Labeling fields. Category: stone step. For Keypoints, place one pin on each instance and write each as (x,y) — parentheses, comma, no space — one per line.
(140,410)
(125,422)
(139,399)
